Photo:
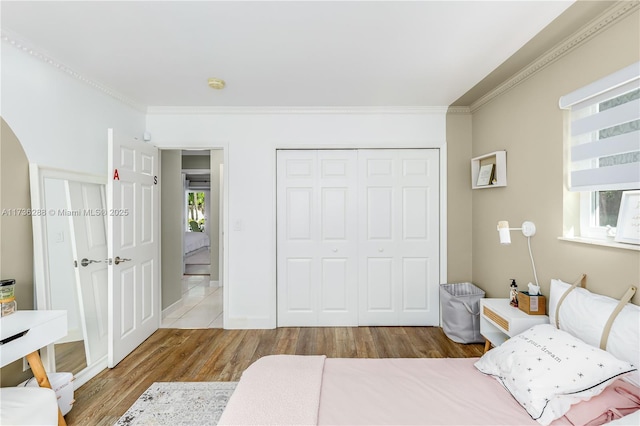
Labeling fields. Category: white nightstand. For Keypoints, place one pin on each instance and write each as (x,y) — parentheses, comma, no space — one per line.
(500,321)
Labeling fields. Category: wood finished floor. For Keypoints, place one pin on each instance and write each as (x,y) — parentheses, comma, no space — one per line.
(173,355)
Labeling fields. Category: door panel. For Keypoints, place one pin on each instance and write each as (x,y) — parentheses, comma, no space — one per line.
(334,297)
(414,211)
(379,213)
(415,283)
(300,285)
(379,289)
(399,239)
(299,213)
(147,290)
(334,214)
(317,238)
(127,299)
(133,229)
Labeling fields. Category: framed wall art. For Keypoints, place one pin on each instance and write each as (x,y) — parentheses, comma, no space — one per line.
(628,228)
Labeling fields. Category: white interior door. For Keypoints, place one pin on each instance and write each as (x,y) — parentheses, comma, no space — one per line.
(133,236)
(317,238)
(89,246)
(399,237)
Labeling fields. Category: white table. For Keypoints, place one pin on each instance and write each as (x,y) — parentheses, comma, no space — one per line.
(499,321)
(23,333)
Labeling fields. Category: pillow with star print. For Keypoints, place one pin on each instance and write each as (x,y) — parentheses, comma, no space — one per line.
(547,370)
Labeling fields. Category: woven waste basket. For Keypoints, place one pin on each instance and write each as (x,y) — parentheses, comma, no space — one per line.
(461,312)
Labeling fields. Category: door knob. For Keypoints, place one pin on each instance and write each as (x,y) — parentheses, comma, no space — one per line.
(380,250)
(87,262)
(335,250)
(119,260)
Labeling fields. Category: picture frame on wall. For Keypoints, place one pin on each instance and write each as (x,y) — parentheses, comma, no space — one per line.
(485,176)
(628,227)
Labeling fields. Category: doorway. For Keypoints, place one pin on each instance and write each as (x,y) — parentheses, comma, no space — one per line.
(194,288)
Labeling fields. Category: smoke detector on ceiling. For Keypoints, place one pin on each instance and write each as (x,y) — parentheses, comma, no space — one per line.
(216,83)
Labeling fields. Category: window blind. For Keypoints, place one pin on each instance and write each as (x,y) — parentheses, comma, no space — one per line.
(605,132)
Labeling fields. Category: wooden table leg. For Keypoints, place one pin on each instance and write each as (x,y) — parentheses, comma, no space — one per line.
(43,381)
(487,345)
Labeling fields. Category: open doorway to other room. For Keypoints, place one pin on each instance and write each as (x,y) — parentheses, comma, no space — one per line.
(199,204)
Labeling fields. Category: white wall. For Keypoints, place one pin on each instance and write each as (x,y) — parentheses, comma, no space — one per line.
(250,142)
(60,121)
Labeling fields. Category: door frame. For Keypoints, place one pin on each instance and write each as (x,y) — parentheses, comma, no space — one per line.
(442,155)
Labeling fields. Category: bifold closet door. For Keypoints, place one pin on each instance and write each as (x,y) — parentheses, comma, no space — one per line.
(399,237)
(317,281)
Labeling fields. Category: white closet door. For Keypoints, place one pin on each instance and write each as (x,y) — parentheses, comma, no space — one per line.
(399,237)
(317,238)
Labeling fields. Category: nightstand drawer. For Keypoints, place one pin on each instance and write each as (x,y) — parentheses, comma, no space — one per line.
(501,322)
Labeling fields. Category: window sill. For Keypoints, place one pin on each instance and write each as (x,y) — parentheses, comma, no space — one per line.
(601,243)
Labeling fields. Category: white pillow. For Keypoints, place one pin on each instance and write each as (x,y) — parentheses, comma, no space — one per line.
(547,370)
(584,315)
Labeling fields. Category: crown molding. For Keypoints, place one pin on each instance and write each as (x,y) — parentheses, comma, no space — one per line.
(29,49)
(460,110)
(610,17)
(266,110)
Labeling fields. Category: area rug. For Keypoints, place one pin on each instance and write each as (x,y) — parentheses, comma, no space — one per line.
(179,403)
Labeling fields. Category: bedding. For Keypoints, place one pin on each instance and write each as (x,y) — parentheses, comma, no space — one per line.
(195,241)
(416,391)
(615,402)
(584,314)
(590,387)
(547,370)
(315,390)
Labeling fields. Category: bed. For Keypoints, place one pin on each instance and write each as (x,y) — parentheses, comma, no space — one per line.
(194,241)
(547,375)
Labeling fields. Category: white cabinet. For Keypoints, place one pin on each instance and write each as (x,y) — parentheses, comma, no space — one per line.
(499,321)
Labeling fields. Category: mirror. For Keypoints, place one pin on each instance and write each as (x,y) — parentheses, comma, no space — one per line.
(70,252)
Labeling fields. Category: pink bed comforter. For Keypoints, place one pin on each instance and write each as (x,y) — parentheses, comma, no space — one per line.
(420,391)
(315,390)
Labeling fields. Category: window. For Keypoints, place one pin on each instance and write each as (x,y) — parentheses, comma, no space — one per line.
(604,148)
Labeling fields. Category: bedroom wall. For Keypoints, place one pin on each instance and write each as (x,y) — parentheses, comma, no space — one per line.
(16,233)
(527,122)
(459,207)
(171,202)
(250,141)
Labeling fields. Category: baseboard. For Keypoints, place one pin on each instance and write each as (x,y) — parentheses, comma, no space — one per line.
(243,323)
(171,308)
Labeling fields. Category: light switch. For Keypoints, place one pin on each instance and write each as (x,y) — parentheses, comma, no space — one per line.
(237,225)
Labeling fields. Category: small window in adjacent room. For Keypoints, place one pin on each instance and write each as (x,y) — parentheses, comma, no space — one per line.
(604,149)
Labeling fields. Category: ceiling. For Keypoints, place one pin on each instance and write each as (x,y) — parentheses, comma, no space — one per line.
(281,53)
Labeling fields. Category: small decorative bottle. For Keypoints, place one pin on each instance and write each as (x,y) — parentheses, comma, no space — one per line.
(513,294)
(8,304)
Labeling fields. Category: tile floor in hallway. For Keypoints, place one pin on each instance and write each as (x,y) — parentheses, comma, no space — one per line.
(201,305)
